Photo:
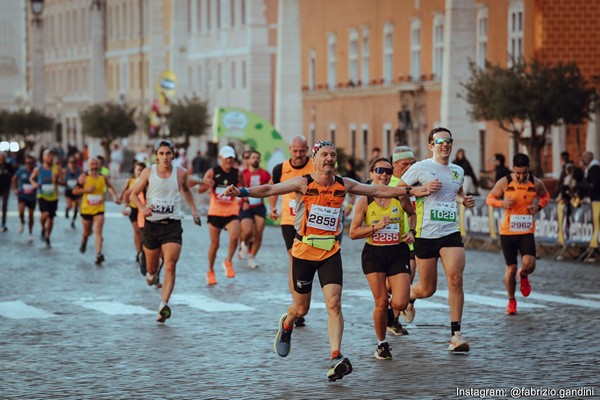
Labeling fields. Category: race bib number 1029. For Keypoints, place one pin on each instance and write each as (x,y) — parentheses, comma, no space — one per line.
(443,212)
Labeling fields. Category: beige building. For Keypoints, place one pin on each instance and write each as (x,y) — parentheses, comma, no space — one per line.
(13,57)
(98,50)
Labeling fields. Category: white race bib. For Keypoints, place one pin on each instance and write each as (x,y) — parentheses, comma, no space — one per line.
(521,223)
(94,199)
(324,218)
(443,211)
(28,188)
(219,190)
(47,188)
(71,183)
(293,208)
(388,235)
(254,180)
(253,201)
(162,206)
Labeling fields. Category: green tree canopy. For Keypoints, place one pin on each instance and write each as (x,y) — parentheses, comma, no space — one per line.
(189,117)
(107,122)
(529,95)
(24,125)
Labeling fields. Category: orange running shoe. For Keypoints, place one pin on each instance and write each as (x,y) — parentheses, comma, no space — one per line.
(511,309)
(525,286)
(228,267)
(210,278)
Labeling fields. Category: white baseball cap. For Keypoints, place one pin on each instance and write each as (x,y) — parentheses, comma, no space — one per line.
(227,152)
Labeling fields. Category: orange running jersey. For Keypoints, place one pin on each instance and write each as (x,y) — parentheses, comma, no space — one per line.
(517,220)
(288,201)
(319,213)
(228,205)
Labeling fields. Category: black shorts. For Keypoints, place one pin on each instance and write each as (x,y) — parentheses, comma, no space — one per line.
(157,233)
(70,195)
(289,234)
(29,203)
(133,215)
(392,260)
(511,244)
(220,222)
(48,206)
(90,217)
(303,272)
(250,213)
(430,248)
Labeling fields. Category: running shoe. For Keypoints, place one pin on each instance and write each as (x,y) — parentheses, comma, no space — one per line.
(30,238)
(525,286)
(458,344)
(228,267)
(21,227)
(383,352)
(511,309)
(164,313)
(300,322)
(43,236)
(283,339)
(73,224)
(396,329)
(99,258)
(210,278)
(243,251)
(252,263)
(48,245)
(3,228)
(83,246)
(151,279)
(408,315)
(340,367)
(142,263)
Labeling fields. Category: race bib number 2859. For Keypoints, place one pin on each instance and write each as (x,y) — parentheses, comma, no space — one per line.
(324,218)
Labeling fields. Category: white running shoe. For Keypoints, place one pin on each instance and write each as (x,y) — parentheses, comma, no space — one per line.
(21,227)
(243,251)
(30,238)
(252,263)
(458,344)
(409,314)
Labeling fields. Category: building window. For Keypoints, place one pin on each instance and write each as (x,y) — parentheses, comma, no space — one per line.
(233,74)
(388,53)
(243,18)
(200,80)
(218,14)
(415,50)
(244,74)
(353,140)
(208,16)
(387,138)
(482,37)
(199,15)
(332,132)
(331,60)
(353,57)
(232,11)
(311,70)
(438,46)
(219,76)
(515,32)
(366,48)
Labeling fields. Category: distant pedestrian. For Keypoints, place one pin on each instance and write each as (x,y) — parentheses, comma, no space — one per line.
(45,179)
(7,170)
(592,175)
(200,164)
(471,183)
(500,170)
(26,194)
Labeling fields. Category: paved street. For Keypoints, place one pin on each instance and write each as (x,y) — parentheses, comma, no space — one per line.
(70,329)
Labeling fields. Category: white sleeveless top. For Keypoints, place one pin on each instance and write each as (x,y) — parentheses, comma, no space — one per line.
(163,196)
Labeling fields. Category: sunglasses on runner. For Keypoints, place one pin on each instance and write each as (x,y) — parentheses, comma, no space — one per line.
(383,170)
(443,140)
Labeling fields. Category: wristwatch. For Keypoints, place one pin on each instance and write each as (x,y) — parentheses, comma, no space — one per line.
(414,231)
(408,189)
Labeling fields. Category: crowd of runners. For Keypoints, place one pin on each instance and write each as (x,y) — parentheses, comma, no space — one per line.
(407,216)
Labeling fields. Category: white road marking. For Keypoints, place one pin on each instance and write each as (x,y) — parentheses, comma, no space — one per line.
(591,295)
(564,300)
(114,308)
(19,310)
(491,301)
(366,294)
(207,303)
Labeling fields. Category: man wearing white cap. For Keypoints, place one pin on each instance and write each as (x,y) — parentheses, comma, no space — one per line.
(223,211)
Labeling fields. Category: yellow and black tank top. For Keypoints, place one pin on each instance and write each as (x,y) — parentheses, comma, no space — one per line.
(93,203)
(392,233)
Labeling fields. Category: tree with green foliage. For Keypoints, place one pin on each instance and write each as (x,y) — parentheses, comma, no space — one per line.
(24,125)
(528,99)
(107,122)
(188,117)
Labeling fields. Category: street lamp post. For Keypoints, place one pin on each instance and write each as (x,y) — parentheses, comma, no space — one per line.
(37,67)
